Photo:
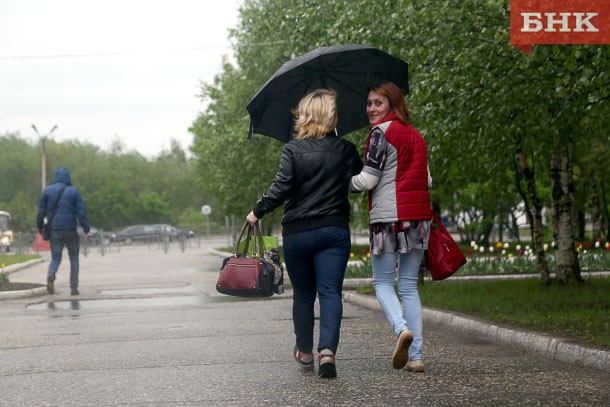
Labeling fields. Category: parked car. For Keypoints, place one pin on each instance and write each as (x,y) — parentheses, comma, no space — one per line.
(97,236)
(142,233)
(6,233)
(168,230)
(175,233)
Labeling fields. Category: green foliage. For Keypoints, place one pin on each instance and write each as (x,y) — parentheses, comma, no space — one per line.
(113,201)
(477,100)
(235,168)
(19,161)
(151,208)
(119,188)
(191,217)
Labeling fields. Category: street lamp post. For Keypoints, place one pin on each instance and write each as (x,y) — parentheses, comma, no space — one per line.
(43,155)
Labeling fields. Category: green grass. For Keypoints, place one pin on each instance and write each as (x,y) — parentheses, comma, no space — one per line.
(578,311)
(8,259)
(3,281)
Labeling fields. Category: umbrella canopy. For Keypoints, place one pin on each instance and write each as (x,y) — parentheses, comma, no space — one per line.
(347,69)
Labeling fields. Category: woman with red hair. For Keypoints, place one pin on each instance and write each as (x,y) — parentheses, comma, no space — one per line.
(396,175)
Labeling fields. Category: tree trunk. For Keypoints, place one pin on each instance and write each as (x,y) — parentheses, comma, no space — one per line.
(487,228)
(514,227)
(519,171)
(596,215)
(580,223)
(536,213)
(562,186)
(605,213)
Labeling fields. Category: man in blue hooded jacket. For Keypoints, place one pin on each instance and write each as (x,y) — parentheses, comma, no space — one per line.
(70,206)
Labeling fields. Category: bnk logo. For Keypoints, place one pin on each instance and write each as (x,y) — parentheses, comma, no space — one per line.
(581,22)
(559,22)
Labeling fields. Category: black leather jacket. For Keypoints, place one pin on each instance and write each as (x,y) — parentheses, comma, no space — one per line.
(312,181)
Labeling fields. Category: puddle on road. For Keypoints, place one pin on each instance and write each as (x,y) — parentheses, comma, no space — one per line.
(194,301)
(144,297)
(150,291)
(189,271)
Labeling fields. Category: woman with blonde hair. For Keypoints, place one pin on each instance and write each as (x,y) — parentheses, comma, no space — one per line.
(312,182)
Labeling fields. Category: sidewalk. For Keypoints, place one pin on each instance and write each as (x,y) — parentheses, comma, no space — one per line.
(149,329)
(561,349)
(564,350)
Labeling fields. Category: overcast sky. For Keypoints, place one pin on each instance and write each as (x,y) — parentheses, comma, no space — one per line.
(114,68)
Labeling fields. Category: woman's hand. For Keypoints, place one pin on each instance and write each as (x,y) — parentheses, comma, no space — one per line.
(251,218)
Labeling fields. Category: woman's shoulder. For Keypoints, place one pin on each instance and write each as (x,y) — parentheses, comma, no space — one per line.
(402,128)
(348,145)
(397,124)
(331,141)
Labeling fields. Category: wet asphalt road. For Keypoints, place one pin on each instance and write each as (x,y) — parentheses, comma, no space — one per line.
(149,330)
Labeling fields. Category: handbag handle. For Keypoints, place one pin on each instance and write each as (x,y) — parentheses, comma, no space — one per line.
(241,235)
(438,222)
(258,236)
(253,231)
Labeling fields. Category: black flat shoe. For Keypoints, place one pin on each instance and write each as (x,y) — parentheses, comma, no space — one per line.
(326,364)
(50,285)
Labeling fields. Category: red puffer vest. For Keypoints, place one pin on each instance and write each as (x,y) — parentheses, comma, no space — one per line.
(402,191)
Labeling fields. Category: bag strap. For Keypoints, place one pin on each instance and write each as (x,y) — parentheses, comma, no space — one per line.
(257,245)
(56,205)
(439,224)
(241,235)
(259,236)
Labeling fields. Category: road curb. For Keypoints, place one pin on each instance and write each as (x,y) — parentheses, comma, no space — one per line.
(30,292)
(19,266)
(559,349)
(16,294)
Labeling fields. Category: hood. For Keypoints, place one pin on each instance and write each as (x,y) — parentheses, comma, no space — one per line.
(62,175)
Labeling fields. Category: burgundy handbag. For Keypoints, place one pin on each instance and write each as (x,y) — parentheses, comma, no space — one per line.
(443,257)
(242,275)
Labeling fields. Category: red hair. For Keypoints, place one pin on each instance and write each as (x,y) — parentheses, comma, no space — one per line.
(396,99)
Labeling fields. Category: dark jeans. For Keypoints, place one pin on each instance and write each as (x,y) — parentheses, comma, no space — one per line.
(315,262)
(70,239)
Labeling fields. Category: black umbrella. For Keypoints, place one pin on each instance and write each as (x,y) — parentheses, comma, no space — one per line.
(347,69)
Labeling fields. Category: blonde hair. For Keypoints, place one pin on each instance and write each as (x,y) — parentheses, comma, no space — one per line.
(316,115)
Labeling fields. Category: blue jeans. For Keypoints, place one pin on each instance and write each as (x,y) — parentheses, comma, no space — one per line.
(70,239)
(315,262)
(409,315)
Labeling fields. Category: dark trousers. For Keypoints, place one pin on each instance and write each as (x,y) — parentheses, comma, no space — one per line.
(70,239)
(315,262)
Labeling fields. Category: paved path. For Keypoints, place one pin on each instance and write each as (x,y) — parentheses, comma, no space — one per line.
(149,330)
